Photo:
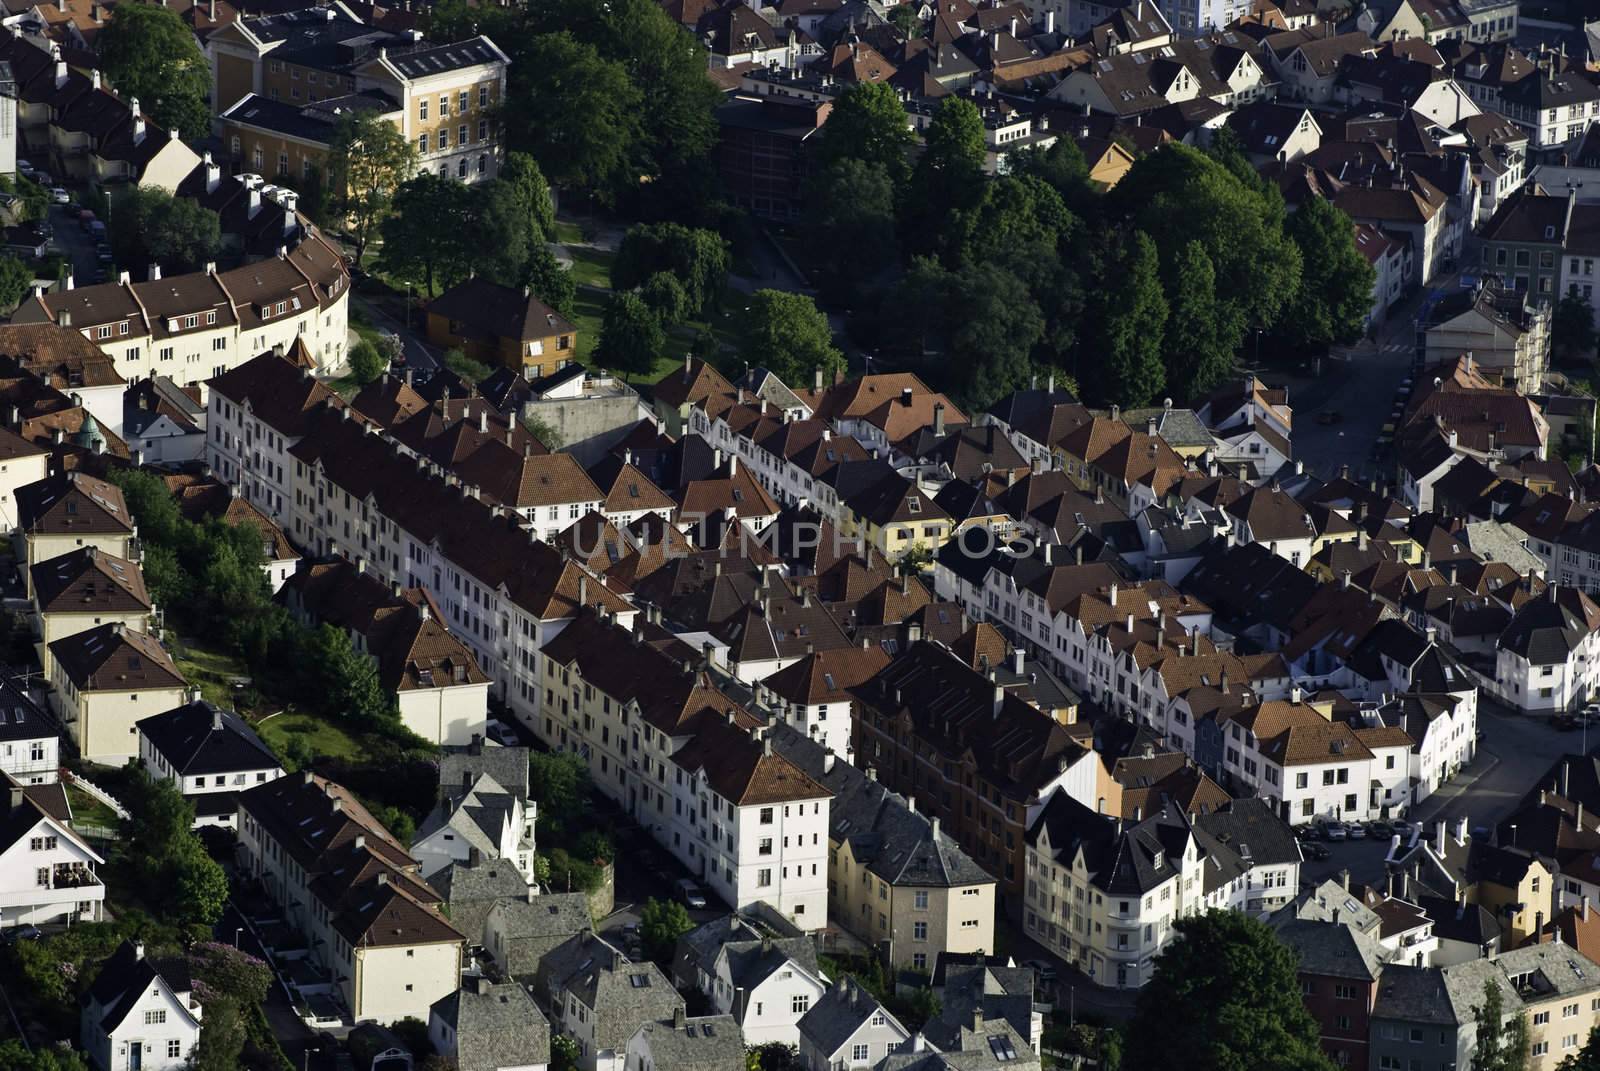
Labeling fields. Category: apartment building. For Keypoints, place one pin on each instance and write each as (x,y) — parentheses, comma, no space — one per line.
(373,924)
(896,880)
(665,741)
(977,757)
(191,328)
(1103,893)
(337,484)
(30,739)
(84,588)
(67,512)
(438,689)
(323,60)
(104,680)
(1548,658)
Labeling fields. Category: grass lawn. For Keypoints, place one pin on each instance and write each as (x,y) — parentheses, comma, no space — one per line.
(88,811)
(209,670)
(588,313)
(324,737)
(345,387)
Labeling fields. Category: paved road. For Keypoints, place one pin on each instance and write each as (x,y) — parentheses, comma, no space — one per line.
(72,242)
(418,355)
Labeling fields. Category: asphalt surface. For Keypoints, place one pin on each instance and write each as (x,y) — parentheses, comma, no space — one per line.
(418,354)
(71,241)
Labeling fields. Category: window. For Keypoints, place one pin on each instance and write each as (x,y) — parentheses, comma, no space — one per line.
(919,931)
(422,110)
(1541,1018)
(766,816)
(444,105)
(155,1018)
(461,134)
(799,1003)
(860,1054)
(764,877)
(921,899)
(483,96)
(174,1049)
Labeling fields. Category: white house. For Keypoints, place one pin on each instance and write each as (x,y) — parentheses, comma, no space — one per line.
(1548,658)
(488,1027)
(848,1028)
(768,986)
(30,739)
(46,872)
(211,755)
(140,1014)
(495,820)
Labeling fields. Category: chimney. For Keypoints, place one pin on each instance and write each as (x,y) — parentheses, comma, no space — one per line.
(1344,879)
(138,950)
(938,419)
(1461,830)
(138,119)
(677,1017)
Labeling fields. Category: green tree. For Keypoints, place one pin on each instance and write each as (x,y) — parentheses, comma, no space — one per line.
(500,232)
(563,1053)
(661,923)
(1225,996)
(147,52)
(994,331)
(366,363)
(547,278)
(790,336)
(368,159)
(1572,328)
(696,256)
(1131,319)
(1585,1059)
(468,369)
(1178,195)
(521,173)
(199,886)
(1335,293)
(559,782)
(14,1056)
(1021,216)
(15,278)
(666,298)
(1502,1045)
(1196,354)
(773,1056)
(631,339)
(428,237)
(868,124)
(346,679)
(903,17)
(1061,166)
(576,112)
(152,225)
(948,183)
(852,231)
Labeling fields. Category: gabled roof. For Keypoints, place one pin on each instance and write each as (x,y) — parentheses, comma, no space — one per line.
(199,738)
(73,503)
(112,658)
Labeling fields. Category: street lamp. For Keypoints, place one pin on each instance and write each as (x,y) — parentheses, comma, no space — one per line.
(237,930)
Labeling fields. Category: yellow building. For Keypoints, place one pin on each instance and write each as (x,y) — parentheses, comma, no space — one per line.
(502,326)
(282,82)
(105,680)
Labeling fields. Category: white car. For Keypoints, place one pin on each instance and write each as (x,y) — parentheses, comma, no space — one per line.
(1337,831)
(1357,831)
(59,196)
(502,734)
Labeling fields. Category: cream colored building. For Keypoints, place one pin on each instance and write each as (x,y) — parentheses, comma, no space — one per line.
(81,590)
(104,681)
(66,512)
(443,96)
(192,327)
(21,463)
(344,881)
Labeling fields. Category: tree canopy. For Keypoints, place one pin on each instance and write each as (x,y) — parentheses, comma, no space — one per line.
(868,124)
(1335,292)
(368,159)
(1225,996)
(787,334)
(631,339)
(148,52)
(178,233)
(697,257)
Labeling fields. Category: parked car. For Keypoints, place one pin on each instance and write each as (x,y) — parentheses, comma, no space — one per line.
(690,894)
(1336,831)
(1403,827)
(1310,832)
(59,195)
(1357,831)
(1313,850)
(1045,972)
(1379,828)
(14,934)
(1565,722)
(501,733)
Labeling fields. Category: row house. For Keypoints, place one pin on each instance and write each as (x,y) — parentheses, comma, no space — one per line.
(669,745)
(896,879)
(971,753)
(1104,893)
(339,485)
(375,926)
(192,327)
(67,120)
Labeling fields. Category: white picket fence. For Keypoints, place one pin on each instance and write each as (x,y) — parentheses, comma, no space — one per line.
(95,791)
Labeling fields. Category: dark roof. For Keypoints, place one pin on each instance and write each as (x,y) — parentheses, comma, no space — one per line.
(112,658)
(124,978)
(200,738)
(482,307)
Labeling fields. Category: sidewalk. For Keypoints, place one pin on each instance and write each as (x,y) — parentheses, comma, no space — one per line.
(1431,808)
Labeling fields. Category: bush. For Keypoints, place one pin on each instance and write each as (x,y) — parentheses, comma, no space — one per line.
(468,369)
(366,363)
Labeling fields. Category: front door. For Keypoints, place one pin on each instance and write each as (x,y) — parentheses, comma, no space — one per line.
(135,1055)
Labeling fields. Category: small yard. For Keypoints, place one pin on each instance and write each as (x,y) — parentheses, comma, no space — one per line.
(323,737)
(211,671)
(88,811)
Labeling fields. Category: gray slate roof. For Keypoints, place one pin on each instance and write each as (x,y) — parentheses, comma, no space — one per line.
(460,767)
(472,890)
(495,1026)
(550,915)
(1331,950)
(477,817)
(894,842)
(839,1014)
(1005,995)
(704,1043)
(1414,995)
